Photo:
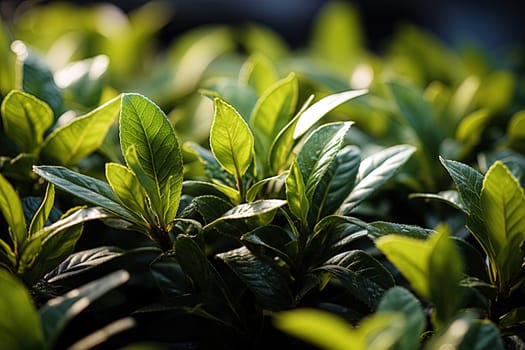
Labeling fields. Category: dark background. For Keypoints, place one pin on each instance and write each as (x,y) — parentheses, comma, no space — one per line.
(492,24)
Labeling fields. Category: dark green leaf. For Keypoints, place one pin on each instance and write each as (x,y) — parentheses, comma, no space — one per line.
(208,207)
(318,153)
(25,119)
(20,327)
(271,241)
(212,168)
(89,189)
(449,197)
(58,312)
(146,127)
(400,299)
(169,276)
(375,171)
(382,228)
(36,77)
(336,184)
(269,286)
(77,139)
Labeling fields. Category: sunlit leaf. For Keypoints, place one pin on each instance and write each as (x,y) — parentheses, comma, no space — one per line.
(11,208)
(25,119)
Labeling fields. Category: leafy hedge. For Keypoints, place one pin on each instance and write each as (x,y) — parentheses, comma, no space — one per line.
(259,196)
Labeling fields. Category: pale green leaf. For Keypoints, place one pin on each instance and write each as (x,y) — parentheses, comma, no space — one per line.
(471,127)
(410,256)
(296,193)
(25,119)
(127,188)
(272,112)
(42,213)
(516,128)
(503,208)
(231,140)
(281,147)
(144,126)
(258,72)
(319,109)
(11,208)
(73,141)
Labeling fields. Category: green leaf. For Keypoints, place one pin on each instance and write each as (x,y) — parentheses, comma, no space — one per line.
(269,285)
(296,193)
(77,139)
(411,257)
(231,140)
(127,188)
(319,109)
(513,319)
(318,153)
(445,274)
(468,182)
(215,293)
(58,312)
(516,127)
(281,147)
(57,241)
(159,161)
(256,188)
(272,112)
(208,207)
(25,119)
(375,171)
(361,274)
(258,72)
(470,129)
(336,184)
(42,213)
(401,300)
(325,330)
(88,188)
(382,228)
(11,208)
(271,241)
(503,210)
(36,77)
(249,210)
(22,329)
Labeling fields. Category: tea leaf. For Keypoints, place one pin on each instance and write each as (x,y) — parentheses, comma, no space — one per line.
(318,153)
(318,110)
(72,142)
(58,312)
(400,299)
(158,164)
(296,193)
(87,188)
(11,208)
(272,112)
(231,140)
(374,171)
(25,119)
(503,207)
(127,188)
(258,72)
(36,77)
(336,184)
(268,285)
(42,213)
(23,328)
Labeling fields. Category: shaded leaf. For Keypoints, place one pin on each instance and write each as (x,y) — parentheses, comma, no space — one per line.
(296,193)
(375,171)
(11,208)
(41,215)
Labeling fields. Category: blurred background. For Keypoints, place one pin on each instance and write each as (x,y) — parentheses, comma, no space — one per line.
(492,24)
